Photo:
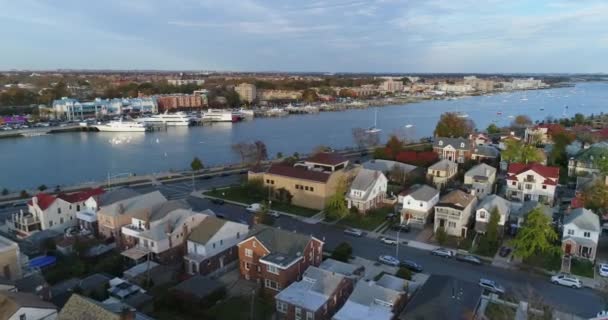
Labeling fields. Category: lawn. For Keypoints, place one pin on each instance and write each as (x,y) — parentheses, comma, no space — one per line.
(290,208)
(551,262)
(368,221)
(240,308)
(582,268)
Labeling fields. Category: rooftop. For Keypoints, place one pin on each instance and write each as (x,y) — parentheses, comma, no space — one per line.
(482,170)
(421,192)
(11,302)
(365,179)
(584,219)
(298,172)
(545,171)
(456,143)
(284,246)
(340,267)
(387,165)
(369,301)
(327,158)
(457,199)
(443,164)
(116,195)
(494,201)
(198,286)
(134,204)
(313,291)
(206,230)
(79,307)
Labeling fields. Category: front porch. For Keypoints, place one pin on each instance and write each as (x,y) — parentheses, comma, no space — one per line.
(580,248)
(416,219)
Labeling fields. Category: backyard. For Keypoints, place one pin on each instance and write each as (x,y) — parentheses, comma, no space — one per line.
(240,308)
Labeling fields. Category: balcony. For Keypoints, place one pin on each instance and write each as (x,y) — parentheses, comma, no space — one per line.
(86,216)
(132,230)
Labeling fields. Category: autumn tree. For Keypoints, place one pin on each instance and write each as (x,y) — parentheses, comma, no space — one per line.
(595,197)
(451,125)
(536,236)
(310,95)
(521,121)
(347,93)
(517,151)
(394,145)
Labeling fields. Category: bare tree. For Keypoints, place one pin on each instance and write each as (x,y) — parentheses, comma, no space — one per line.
(364,139)
(251,153)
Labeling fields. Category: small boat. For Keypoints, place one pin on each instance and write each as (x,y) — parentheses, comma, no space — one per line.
(524,99)
(374,129)
(499,113)
(120,126)
(542,109)
(409,125)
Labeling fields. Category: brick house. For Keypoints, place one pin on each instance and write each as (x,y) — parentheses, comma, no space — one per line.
(453,149)
(275,258)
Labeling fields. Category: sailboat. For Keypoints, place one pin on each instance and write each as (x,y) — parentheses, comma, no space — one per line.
(374,129)
(409,125)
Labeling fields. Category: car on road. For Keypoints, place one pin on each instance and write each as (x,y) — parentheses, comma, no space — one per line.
(353,232)
(217,201)
(401,227)
(603,269)
(391,216)
(443,252)
(389,260)
(567,281)
(389,241)
(504,251)
(491,286)
(254,207)
(409,264)
(468,258)
(273,213)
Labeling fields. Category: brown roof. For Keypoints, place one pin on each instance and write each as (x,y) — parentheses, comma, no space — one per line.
(11,302)
(206,230)
(298,173)
(456,198)
(327,158)
(79,307)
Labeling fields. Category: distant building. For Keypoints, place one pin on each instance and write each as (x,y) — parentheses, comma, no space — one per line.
(365,90)
(391,85)
(455,88)
(174,102)
(279,95)
(183,82)
(72,109)
(246,91)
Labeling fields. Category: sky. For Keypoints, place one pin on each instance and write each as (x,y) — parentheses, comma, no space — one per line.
(417,36)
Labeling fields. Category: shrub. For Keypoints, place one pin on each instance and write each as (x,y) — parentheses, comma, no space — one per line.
(441,236)
(342,252)
(404,273)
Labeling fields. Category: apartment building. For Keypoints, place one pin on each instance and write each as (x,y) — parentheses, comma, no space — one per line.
(453,213)
(173,102)
(536,182)
(246,91)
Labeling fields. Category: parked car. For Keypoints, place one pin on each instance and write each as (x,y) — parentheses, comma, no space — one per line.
(491,286)
(566,280)
(389,260)
(603,269)
(409,264)
(274,213)
(443,252)
(217,201)
(353,232)
(391,216)
(504,251)
(254,207)
(401,227)
(468,258)
(389,241)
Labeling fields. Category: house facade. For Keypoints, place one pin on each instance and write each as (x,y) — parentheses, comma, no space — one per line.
(453,213)
(10,259)
(535,182)
(418,203)
(275,258)
(453,149)
(581,234)
(484,212)
(442,172)
(480,179)
(584,162)
(212,244)
(367,190)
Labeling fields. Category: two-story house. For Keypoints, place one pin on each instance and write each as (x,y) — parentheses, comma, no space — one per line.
(453,213)
(541,134)
(87,218)
(536,182)
(418,202)
(581,234)
(373,300)
(484,211)
(49,212)
(584,162)
(442,172)
(367,190)
(275,257)
(10,259)
(317,296)
(453,149)
(480,179)
(25,306)
(310,182)
(212,245)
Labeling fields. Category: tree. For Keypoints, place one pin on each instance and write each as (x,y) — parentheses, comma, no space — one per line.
(279,155)
(404,273)
(394,146)
(493,129)
(602,165)
(310,95)
(364,139)
(336,205)
(489,242)
(536,236)
(558,155)
(342,252)
(347,93)
(595,197)
(451,125)
(521,121)
(579,118)
(196,164)
(441,236)
(4,191)
(42,187)
(517,151)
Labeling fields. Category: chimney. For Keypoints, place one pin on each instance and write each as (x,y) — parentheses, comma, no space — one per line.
(35,200)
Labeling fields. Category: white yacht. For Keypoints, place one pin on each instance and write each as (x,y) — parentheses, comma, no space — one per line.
(215,115)
(246,113)
(121,126)
(180,119)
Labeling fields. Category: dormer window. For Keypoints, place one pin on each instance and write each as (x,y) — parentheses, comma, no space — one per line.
(440,142)
(462,144)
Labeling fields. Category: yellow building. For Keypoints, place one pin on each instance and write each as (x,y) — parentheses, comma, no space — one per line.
(10,264)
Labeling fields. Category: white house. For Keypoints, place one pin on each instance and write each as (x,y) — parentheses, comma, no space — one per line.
(25,306)
(418,202)
(367,190)
(536,182)
(581,234)
(441,172)
(453,213)
(484,211)
(212,245)
(480,179)
(372,300)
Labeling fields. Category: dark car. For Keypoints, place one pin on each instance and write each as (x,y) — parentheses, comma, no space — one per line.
(401,227)
(504,251)
(391,216)
(468,258)
(411,265)
(217,201)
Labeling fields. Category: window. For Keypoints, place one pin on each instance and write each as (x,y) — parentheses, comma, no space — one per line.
(420,204)
(281,306)
(248,252)
(22,316)
(61,220)
(544,186)
(50,223)
(253,244)
(59,210)
(513,183)
(482,214)
(238,235)
(221,242)
(247,265)
(587,234)
(70,207)
(528,186)
(452,224)
(312,189)
(272,269)
(267,180)
(440,142)
(272,285)
(298,313)
(151,244)
(306,188)
(462,144)
(570,232)
(245,249)
(78,207)
(310,316)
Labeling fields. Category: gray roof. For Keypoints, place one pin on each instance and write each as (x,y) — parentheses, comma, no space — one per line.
(366,293)
(284,246)
(313,291)
(144,201)
(115,195)
(486,151)
(392,282)
(584,219)
(493,201)
(365,179)
(443,297)
(11,302)
(160,211)
(340,267)
(198,286)
(528,206)
(443,165)
(206,230)
(387,165)
(456,143)
(94,281)
(457,199)
(422,192)
(482,170)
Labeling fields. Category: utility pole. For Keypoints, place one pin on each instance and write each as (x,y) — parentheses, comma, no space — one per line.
(397,246)
(252,303)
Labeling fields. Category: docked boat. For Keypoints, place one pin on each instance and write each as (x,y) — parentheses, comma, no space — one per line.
(214,115)
(122,126)
(246,113)
(178,119)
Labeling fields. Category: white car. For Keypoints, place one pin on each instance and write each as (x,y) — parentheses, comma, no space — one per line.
(388,241)
(389,260)
(254,207)
(353,232)
(603,269)
(491,286)
(566,280)
(273,213)
(443,252)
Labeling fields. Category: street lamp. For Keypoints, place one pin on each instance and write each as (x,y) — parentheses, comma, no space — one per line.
(397,246)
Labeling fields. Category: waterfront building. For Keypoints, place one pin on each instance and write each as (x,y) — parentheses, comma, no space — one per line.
(174,102)
(455,88)
(391,85)
(279,95)
(365,90)
(72,109)
(183,82)
(246,91)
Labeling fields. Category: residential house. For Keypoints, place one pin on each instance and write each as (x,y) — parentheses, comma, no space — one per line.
(25,306)
(442,172)
(581,234)
(310,182)
(485,153)
(583,184)
(57,213)
(275,257)
(372,300)
(418,203)
(444,297)
(317,296)
(87,219)
(527,182)
(480,179)
(520,211)
(367,191)
(10,259)
(480,139)
(79,307)
(453,213)
(584,162)
(352,271)
(484,212)
(212,245)
(541,134)
(502,144)
(456,150)
(387,166)
(113,217)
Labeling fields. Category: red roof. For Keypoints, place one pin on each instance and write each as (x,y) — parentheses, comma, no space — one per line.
(298,173)
(545,171)
(419,158)
(327,158)
(46,200)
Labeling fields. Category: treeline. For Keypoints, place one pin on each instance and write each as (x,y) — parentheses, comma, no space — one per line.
(305,84)
(147,88)
(23,97)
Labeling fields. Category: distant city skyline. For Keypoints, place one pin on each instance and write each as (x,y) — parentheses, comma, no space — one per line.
(419,36)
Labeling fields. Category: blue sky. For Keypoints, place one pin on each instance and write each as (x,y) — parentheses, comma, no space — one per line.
(307,35)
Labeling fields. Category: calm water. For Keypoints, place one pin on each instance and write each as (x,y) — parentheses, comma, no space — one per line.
(70,158)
